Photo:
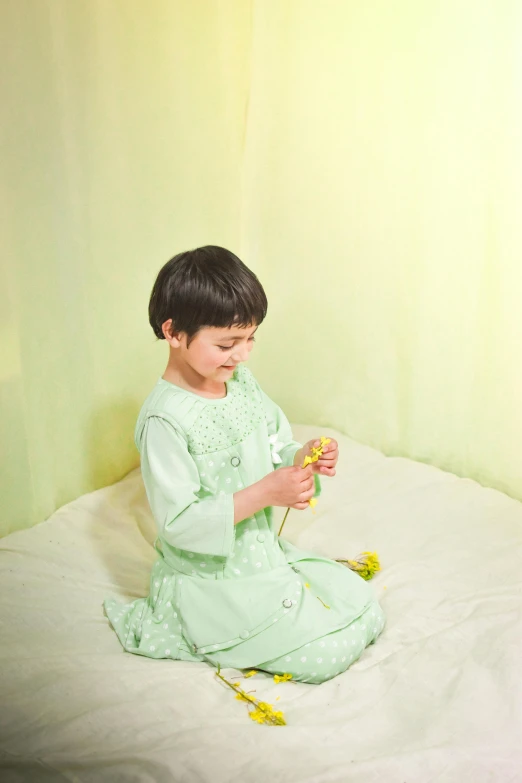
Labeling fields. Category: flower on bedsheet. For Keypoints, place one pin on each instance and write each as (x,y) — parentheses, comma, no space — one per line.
(285,677)
(366,564)
(265,713)
(261,711)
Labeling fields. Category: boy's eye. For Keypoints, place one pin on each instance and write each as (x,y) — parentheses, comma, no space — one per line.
(229,347)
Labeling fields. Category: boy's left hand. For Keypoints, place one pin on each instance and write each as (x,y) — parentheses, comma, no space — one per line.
(326,463)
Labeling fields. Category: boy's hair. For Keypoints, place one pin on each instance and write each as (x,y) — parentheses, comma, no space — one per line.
(208,286)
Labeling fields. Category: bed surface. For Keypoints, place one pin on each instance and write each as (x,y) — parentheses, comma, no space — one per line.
(438,698)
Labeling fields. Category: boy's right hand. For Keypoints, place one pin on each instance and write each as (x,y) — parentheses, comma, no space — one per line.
(289,487)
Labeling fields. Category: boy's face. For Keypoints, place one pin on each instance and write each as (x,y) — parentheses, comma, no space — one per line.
(214,352)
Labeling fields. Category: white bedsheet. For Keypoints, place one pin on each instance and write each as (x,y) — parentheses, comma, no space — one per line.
(438,698)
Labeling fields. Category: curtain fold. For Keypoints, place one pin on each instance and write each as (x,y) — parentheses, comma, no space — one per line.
(364,158)
(122,142)
(383,196)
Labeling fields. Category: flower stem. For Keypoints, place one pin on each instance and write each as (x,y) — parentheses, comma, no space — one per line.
(283,522)
(262,712)
(236,689)
(308,460)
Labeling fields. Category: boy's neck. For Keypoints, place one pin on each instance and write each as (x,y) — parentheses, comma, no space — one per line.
(183,375)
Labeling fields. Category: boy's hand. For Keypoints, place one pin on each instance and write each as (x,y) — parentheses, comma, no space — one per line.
(288,487)
(326,463)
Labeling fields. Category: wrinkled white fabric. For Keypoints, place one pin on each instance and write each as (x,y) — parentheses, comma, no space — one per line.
(437,698)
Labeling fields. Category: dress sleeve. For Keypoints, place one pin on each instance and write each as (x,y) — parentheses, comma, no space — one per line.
(187,516)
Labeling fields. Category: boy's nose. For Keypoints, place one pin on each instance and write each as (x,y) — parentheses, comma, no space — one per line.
(241,353)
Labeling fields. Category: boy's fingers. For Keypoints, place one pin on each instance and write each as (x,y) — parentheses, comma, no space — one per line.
(331,445)
(331,450)
(328,471)
(327,461)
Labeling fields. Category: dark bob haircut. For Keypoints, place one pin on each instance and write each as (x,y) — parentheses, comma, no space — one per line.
(208,286)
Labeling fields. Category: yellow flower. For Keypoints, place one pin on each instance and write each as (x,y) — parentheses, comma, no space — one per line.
(282,677)
(307,584)
(266,714)
(261,712)
(251,674)
(317,452)
(366,564)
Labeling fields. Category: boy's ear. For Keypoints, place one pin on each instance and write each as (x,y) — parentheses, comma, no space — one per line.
(173,338)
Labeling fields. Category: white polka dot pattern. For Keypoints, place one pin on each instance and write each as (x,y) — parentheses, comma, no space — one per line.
(213,434)
(360,635)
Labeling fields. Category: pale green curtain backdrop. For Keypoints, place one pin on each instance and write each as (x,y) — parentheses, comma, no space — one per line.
(363,157)
(122,139)
(383,200)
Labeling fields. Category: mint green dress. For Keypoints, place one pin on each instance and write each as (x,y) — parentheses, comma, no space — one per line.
(234,595)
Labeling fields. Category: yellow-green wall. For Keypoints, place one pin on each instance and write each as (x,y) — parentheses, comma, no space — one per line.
(384,172)
(123,138)
(363,157)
